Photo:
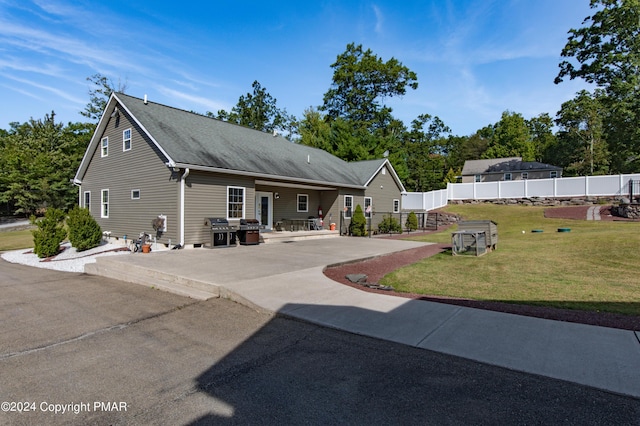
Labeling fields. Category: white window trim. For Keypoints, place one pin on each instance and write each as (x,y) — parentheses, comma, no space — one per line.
(347,214)
(86,200)
(477,178)
(298,203)
(104,204)
(396,205)
(368,215)
(104,147)
(524,175)
(244,200)
(133,191)
(124,148)
(510,177)
(553,174)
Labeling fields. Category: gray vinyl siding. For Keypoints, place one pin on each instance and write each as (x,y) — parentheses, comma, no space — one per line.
(141,168)
(382,189)
(206,196)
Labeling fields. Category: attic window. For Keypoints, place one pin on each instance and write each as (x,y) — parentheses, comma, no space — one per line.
(384,171)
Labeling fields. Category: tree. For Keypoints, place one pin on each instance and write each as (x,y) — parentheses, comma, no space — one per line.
(581,147)
(607,51)
(258,110)
(39,160)
(425,148)
(99,95)
(542,137)
(361,81)
(511,138)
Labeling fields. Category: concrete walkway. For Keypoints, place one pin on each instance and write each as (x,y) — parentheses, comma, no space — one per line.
(287,278)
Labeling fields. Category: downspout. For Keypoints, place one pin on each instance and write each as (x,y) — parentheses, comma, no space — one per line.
(182,191)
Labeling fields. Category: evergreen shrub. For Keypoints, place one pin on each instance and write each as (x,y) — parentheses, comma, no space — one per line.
(84,231)
(388,225)
(412,222)
(358,226)
(50,233)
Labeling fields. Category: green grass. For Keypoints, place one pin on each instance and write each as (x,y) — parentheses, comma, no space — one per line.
(14,240)
(595,267)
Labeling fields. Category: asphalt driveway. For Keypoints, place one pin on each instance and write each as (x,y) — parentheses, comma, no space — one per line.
(71,341)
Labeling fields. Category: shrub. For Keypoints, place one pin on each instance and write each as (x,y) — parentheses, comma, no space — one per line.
(412,222)
(84,231)
(50,233)
(358,226)
(388,225)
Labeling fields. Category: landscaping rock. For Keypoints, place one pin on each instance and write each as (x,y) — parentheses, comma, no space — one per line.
(357,278)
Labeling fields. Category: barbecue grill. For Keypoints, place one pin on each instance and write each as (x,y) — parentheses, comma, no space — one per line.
(222,234)
(249,232)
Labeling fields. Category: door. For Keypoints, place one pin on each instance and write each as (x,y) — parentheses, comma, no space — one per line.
(264,209)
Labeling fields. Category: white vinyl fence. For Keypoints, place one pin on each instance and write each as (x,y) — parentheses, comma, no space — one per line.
(613,185)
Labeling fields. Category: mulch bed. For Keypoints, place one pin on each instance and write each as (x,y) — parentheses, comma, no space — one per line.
(378,267)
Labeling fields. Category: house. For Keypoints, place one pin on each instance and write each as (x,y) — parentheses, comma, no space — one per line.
(147,161)
(505,169)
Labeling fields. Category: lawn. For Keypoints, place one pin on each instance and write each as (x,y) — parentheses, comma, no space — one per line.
(595,267)
(14,240)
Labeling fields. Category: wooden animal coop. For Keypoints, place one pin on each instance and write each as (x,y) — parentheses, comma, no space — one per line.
(475,237)
(488,226)
(471,242)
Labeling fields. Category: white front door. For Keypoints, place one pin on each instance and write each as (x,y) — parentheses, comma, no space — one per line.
(264,209)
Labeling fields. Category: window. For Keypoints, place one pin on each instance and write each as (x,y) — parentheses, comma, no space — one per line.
(303,203)
(126,140)
(135,194)
(105,203)
(87,200)
(348,206)
(384,170)
(507,176)
(396,206)
(105,147)
(235,203)
(525,175)
(367,207)
(553,174)
(478,178)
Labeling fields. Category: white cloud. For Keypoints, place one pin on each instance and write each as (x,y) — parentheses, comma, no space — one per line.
(379,19)
(209,104)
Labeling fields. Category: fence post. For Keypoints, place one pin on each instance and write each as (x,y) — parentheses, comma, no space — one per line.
(586,186)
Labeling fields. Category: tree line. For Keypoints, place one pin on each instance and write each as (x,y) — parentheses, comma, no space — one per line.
(596,132)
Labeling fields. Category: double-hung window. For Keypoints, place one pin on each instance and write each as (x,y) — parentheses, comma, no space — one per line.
(368,206)
(348,206)
(87,200)
(235,202)
(126,140)
(104,147)
(104,212)
(303,203)
(396,206)
(507,176)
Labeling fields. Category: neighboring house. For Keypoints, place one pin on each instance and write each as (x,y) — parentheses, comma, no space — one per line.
(147,160)
(505,169)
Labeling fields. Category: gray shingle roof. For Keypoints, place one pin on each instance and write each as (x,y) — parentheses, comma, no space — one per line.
(501,165)
(195,140)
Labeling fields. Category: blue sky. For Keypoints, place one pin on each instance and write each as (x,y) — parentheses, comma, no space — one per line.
(474,59)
